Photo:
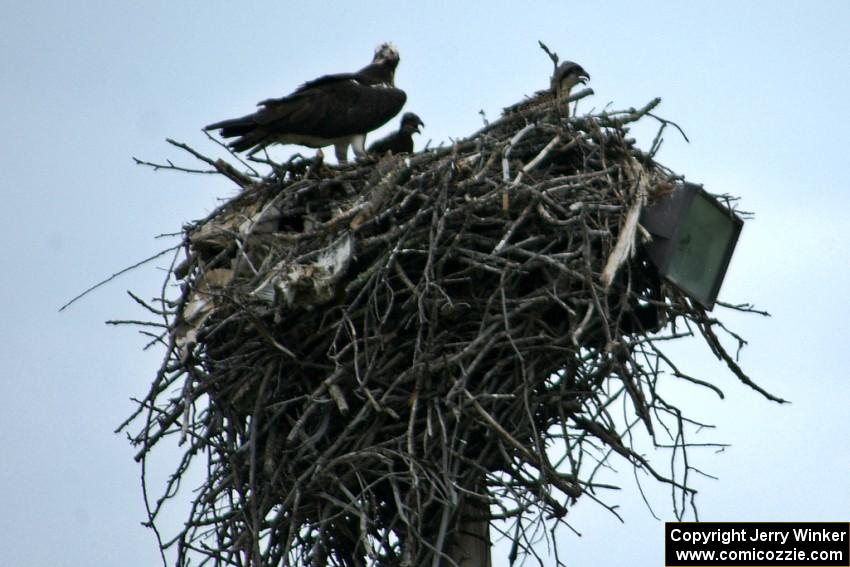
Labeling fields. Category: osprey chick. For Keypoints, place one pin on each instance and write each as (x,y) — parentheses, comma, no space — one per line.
(400,141)
(336,110)
(566,76)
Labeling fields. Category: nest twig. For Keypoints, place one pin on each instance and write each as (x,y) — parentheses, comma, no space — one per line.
(369,359)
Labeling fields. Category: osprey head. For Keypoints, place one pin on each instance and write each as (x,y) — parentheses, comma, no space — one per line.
(566,76)
(386,54)
(382,68)
(410,123)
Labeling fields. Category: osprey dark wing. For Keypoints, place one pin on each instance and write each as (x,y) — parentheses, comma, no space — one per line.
(332,110)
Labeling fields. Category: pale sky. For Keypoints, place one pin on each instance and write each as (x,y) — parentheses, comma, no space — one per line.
(759,87)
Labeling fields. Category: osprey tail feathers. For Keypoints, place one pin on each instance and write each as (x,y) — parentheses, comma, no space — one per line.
(234,126)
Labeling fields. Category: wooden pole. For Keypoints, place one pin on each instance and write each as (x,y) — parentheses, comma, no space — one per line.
(470,546)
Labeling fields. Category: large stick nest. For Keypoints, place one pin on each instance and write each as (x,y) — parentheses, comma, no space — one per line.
(375,357)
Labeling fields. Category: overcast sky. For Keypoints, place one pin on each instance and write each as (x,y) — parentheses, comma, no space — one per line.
(761,89)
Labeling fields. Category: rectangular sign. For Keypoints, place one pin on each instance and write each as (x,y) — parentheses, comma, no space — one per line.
(757,544)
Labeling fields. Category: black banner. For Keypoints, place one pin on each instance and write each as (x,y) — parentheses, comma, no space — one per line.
(757,544)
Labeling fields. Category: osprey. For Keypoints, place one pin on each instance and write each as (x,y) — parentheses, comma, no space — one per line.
(336,110)
(566,76)
(401,141)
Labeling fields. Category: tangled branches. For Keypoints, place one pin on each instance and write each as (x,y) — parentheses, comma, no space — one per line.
(376,362)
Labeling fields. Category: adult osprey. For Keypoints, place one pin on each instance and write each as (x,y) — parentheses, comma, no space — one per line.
(400,141)
(566,76)
(333,110)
